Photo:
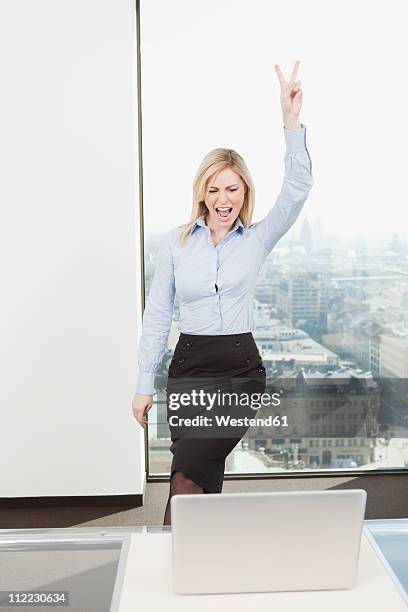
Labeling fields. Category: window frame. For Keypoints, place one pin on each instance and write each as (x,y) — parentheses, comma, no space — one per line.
(151,476)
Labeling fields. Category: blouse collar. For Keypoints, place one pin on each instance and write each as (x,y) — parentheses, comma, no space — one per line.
(201,223)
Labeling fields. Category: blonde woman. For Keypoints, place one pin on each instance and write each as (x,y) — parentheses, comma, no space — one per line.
(211,264)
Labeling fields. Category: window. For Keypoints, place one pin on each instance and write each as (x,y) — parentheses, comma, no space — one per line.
(335,292)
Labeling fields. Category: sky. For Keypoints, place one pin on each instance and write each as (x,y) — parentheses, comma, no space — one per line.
(208,80)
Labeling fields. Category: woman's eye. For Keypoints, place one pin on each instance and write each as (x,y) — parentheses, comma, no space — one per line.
(215,191)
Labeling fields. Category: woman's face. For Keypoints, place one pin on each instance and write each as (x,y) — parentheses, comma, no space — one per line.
(224,198)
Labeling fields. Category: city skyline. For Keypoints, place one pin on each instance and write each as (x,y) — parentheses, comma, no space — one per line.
(336,320)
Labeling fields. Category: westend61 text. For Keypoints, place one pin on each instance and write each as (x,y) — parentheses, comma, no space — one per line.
(207,400)
(228,421)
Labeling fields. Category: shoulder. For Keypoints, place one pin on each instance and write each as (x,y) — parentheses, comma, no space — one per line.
(169,243)
(170,237)
(174,235)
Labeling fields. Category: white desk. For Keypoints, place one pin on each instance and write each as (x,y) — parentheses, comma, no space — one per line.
(147,585)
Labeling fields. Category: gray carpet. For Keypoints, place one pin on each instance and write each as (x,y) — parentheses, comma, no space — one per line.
(387,498)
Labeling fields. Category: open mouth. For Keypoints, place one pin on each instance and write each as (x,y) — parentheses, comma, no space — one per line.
(223,212)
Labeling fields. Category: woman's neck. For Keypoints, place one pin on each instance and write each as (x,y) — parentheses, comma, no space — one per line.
(218,233)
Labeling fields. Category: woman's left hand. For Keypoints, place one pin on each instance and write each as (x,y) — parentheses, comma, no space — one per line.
(291,97)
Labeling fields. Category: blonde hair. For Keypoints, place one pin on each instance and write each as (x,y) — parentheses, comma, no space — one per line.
(213,162)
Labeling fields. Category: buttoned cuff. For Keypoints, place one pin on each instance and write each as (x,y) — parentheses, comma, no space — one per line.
(295,139)
(145,383)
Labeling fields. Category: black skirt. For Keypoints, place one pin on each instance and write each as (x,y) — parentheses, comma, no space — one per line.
(210,383)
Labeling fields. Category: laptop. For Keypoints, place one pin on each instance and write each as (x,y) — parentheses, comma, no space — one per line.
(254,542)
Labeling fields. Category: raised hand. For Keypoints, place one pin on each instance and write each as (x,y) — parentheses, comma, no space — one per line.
(291,97)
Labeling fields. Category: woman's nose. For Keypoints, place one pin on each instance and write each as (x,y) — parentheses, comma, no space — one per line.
(222,197)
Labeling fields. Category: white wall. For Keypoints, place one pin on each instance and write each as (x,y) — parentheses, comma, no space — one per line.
(69,298)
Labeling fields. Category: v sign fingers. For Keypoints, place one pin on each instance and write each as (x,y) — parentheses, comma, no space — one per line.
(281,78)
(291,95)
(295,70)
(285,85)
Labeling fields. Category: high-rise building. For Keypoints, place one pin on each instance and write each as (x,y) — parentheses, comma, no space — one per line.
(303,298)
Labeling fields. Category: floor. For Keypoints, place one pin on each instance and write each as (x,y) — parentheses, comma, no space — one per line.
(387,498)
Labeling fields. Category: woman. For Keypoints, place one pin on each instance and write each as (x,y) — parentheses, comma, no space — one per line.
(212,263)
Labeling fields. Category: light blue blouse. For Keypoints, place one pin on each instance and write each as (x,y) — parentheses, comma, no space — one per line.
(215,285)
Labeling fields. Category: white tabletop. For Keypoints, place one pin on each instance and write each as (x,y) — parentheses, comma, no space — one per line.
(148,585)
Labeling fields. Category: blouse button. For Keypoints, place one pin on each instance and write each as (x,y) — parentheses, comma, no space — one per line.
(182,360)
(247,360)
(189,344)
(237,343)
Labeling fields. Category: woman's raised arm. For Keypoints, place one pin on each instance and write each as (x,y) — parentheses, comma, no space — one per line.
(298,178)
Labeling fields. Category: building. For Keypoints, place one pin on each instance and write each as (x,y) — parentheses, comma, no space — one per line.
(394,356)
(332,419)
(302,299)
